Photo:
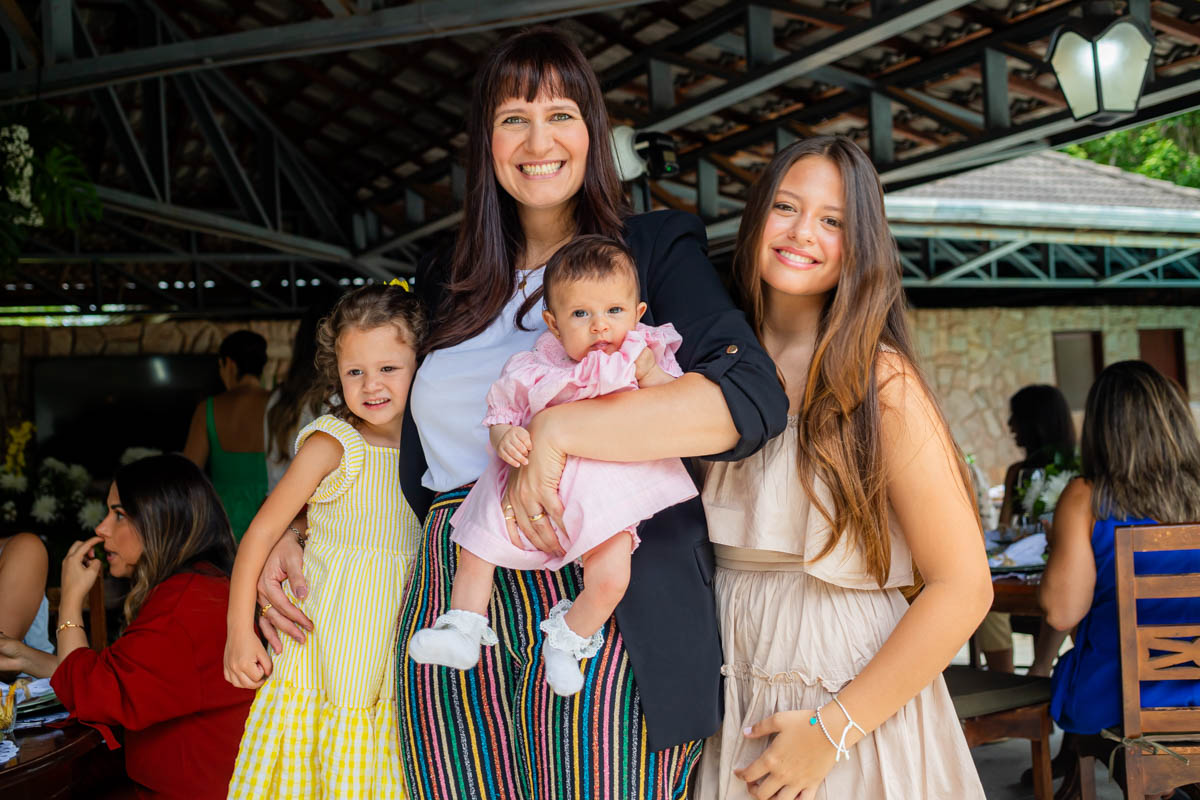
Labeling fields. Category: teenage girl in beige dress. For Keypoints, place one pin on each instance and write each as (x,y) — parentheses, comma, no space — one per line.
(833,684)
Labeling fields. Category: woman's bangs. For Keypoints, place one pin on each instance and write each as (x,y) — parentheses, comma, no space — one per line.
(551,74)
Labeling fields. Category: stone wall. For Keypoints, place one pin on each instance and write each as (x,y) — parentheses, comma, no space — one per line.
(977,358)
(974,358)
(19,345)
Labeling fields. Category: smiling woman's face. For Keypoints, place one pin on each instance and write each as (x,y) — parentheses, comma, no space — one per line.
(539,150)
(122,542)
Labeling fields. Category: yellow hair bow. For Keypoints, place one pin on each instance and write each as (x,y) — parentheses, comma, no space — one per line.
(403,284)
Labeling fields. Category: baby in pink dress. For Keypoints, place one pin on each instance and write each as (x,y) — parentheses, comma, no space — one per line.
(595,346)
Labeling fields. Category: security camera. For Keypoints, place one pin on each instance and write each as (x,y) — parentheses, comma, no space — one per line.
(650,152)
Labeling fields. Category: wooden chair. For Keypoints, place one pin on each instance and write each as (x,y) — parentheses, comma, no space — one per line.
(1001,705)
(1156,653)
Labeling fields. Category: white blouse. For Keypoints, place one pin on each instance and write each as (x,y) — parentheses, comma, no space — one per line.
(450,389)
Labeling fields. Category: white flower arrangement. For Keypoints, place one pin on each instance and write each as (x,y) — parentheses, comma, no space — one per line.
(17,156)
(51,464)
(78,475)
(44,509)
(10,482)
(1033,491)
(91,514)
(1041,495)
(132,454)
(8,511)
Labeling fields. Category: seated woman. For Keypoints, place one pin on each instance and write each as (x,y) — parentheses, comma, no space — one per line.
(24,611)
(1141,464)
(162,680)
(1040,421)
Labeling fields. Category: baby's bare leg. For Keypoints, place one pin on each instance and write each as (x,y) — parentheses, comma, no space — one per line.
(472,583)
(605,579)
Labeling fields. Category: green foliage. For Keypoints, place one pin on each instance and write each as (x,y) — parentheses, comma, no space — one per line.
(62,191)
(42,182)
(1168,149)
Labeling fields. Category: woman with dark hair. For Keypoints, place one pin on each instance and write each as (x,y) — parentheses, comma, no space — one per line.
(539,173)
(162,679)
(226,433)
(299,398)
(1041,425)
(1140,465)
(833,682)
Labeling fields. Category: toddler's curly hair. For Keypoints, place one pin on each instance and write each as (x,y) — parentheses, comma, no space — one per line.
(372,306)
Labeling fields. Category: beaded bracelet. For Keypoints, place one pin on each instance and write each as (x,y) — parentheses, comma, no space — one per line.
(816,720)
(67,624)
(840,745)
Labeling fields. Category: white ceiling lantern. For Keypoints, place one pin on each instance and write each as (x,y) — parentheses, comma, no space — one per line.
(1101,65)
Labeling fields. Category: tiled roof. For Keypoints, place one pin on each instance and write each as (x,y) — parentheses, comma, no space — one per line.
(1052,177)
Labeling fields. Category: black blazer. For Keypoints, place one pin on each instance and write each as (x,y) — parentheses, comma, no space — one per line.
(668,618)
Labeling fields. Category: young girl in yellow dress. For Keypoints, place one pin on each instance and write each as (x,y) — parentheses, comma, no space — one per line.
(324,721)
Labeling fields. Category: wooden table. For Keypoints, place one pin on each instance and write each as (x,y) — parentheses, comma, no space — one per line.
(67,763)
(1016,595)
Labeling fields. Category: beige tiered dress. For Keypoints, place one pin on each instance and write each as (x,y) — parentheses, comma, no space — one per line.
(795,629)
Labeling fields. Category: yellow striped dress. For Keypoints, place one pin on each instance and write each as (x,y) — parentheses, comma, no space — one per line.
(324,723)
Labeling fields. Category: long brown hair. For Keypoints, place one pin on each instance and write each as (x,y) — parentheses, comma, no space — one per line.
(840,439)
(179,519)
(1139,447)
(482,274)
(372,306)
(301,390)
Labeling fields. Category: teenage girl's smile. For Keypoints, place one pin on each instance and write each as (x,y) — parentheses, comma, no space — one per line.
(800,259)
(801,250)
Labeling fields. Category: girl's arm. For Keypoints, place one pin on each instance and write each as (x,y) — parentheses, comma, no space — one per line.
(16,656)
(1070,577)
(1008,504)
(246,662)
(937,515)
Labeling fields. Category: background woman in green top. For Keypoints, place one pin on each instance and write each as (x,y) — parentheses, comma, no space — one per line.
(227,430)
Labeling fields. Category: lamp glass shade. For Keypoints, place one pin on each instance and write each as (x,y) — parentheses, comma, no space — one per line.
(1122,54)
(1075,66)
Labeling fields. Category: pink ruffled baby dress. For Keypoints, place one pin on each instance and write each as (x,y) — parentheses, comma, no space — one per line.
(600,498)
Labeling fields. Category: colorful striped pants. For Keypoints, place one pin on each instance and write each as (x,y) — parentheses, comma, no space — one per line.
(498,732)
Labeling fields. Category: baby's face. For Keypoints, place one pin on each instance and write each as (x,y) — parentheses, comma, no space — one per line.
(594,314)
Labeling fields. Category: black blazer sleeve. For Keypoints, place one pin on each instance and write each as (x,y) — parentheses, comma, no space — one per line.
(429,288)
(667,618)
(680,286)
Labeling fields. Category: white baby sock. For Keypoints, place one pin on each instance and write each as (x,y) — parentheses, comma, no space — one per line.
(563,649)
(453,641)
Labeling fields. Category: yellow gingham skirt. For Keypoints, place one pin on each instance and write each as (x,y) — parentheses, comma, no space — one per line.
(324,724)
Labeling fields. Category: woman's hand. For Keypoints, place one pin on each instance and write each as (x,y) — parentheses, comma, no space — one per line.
(247,664)
(12,652)
(796,761)
(531,501)
(79,570)
(286,563)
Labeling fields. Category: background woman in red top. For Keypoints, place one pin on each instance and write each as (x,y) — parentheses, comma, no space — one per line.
(161,680)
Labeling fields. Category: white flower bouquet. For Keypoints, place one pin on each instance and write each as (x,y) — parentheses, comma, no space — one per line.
(1039,495)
